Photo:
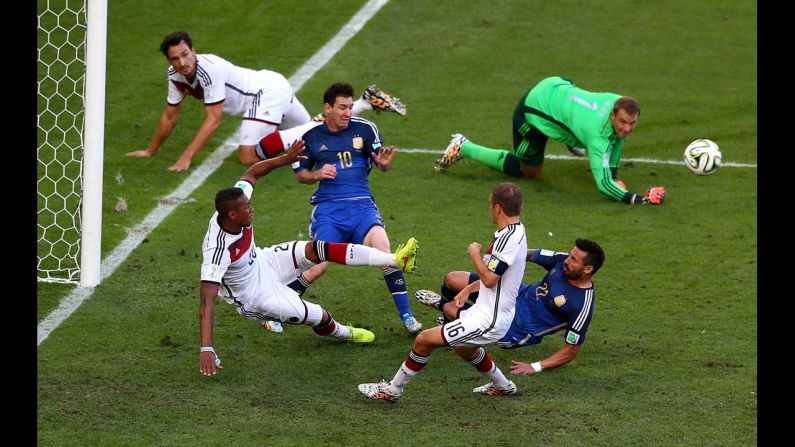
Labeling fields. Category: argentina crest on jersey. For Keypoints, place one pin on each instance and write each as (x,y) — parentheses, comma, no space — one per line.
(358,143)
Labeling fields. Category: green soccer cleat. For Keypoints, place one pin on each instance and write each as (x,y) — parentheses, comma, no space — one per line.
(406,256)
(359,335)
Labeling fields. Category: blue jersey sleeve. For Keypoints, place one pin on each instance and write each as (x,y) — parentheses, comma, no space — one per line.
(548,258)
(579,309)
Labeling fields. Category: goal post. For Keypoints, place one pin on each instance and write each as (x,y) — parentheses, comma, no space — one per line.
(70,139)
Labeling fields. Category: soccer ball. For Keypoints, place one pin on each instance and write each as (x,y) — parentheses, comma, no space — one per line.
(702,157)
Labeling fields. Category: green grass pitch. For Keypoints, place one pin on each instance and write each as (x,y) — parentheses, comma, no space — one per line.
(671,356)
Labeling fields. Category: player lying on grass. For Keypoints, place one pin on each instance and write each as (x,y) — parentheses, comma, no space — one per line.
(589,124)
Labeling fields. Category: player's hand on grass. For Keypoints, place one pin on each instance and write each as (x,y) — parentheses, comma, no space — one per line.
(209,362)
(655,195)
(180,165)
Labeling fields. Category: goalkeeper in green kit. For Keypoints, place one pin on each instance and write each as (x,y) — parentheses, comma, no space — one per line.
(586,122)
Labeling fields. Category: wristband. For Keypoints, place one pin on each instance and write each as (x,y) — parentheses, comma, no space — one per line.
(537,367)
(210,349)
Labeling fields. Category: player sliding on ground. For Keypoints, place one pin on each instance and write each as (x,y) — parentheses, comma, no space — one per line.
(254,279)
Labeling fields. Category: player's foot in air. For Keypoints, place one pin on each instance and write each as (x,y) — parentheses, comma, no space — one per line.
(406,256)
(578,151)
(359,335)
(452,154)
(428,298)
(491,390)
(382,101)
(320,118)
(378,391)
(410,323)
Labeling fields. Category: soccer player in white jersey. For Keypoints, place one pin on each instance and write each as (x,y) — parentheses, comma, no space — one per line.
(253,279)
(500,271)
(264,99)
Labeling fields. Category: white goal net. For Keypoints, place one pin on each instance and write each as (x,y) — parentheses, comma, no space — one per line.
(69,137)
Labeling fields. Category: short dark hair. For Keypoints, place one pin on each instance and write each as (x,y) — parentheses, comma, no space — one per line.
(629,104)
(174,39)
(337,89)
(509,197)
(595,256)
(225,199)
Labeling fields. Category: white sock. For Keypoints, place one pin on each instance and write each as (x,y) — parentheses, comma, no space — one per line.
(402,377)
(359,106)
(295,133)
(342,332)
(497,377)
(364,255)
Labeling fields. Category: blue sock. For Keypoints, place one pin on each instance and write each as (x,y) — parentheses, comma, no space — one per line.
(396,283)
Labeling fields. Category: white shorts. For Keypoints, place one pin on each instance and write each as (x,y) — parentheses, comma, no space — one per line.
(279,265)
(474,329)
(272,108)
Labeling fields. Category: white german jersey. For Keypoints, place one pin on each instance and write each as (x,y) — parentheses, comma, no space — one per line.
(219,80)
(231,259)
(506,256)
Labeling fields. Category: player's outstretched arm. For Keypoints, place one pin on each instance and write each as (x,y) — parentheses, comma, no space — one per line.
(168,120)
(566,354)
(212,121)
(263,167)
(207,355)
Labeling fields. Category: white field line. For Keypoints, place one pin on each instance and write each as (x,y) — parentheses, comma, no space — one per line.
(168,204)
(572,157)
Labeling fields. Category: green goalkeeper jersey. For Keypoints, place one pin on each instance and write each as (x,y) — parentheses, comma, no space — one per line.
(579,118)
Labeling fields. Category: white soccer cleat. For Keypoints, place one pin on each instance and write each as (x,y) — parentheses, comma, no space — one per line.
(452,154)
(378,391)
(429,298)
(491,390)
(381,101)
(578,151)
(273,326)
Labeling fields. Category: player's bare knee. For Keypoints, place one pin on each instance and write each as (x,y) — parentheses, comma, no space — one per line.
(247,155)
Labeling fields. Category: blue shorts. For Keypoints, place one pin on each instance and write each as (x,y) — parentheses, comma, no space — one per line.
(344,221)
